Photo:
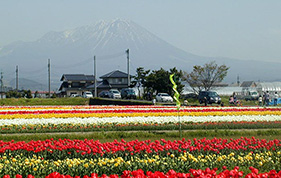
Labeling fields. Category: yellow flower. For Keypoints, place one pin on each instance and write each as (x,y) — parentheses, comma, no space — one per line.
(56,163)
(195,160)
(86,165)
(219,158)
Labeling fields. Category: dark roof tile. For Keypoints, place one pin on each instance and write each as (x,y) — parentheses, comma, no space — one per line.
(247,84)
(115,74)
(77,77)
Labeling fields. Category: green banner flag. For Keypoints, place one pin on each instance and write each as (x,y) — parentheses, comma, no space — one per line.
(176,95)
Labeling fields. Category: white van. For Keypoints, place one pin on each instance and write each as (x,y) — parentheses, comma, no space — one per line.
(87,94)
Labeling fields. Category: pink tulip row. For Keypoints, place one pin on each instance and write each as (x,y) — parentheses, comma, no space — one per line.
(193,173)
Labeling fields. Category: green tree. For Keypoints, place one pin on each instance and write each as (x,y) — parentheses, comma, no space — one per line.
(140,78)
(13,94)
(159,81)
(28,94)
(206,76)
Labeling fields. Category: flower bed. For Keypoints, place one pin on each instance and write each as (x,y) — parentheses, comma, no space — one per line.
(211,173)
(130,111)
(84,157)
(160,158)
(96,118)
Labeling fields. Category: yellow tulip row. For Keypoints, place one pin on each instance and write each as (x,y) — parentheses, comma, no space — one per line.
(37,163)
(136,114)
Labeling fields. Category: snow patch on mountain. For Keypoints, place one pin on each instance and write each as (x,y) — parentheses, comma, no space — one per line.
(108,41)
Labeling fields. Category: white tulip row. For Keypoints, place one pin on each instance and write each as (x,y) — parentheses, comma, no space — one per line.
(112,108)
(104,120)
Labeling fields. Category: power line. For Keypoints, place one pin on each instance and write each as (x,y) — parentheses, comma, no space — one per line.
(33,71)
(84,62)
(111,56)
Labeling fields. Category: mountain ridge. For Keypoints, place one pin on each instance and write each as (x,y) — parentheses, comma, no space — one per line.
(72,51)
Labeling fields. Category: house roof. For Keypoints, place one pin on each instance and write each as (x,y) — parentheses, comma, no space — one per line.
(247,84)
(100,84)
(77,77)
(115,74)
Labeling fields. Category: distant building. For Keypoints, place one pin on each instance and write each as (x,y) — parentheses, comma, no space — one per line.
(4,90)
(112,80)
(79,83)
(75,84)
(271,87)
(248,86)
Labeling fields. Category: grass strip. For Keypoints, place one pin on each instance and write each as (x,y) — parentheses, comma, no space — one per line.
(54,128)
(146,135)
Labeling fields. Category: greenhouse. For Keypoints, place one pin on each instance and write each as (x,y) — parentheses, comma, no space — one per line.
(271,87)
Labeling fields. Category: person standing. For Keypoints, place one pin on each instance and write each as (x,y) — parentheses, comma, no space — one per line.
(275,98)
(263,98)
(234,98)
(260,100)
(267,98)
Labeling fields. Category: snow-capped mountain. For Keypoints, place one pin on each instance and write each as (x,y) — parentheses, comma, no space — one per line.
(72,51)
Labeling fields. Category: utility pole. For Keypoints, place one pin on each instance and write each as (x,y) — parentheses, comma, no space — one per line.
(128,67)
(17,78)
(49,77)
(1,85)
(95,75)
(238,82)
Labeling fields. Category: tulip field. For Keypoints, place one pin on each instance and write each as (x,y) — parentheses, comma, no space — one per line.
(182,158)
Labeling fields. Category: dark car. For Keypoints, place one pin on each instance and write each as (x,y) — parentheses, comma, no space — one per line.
(209,97)
(128,93)
(190,96)
(104,94)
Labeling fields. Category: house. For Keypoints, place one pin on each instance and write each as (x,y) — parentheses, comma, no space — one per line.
(248,86)
(75,84)
(112,80)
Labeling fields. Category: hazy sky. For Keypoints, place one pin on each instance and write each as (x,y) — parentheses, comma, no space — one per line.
(242,29)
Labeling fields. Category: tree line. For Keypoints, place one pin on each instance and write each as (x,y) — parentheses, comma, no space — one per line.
(201,78)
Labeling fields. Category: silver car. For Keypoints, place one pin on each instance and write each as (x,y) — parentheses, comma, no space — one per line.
(164,97)
(114,93)
(87,94)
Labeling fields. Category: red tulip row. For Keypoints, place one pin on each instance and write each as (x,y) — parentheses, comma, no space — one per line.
(151,110)
(135,146)
(85,107)
(193,173)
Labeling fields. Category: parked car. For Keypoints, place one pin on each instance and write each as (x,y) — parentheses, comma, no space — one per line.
(74,95)
(163,97)
(87,94)
(190,96)
(251,95)
(209,97)
(104,94)
(128,93)
(114,93)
